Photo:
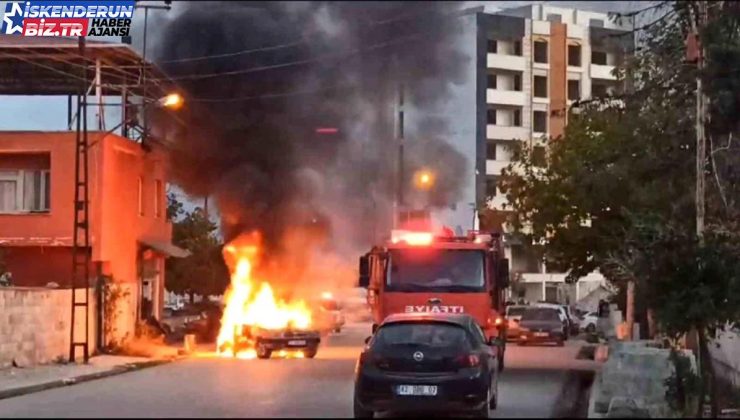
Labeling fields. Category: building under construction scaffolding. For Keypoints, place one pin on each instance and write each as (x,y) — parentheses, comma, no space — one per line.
(87,203)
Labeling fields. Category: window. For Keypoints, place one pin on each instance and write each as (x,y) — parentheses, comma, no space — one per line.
(598,90)
(540,86)
(517,118)
(141,196)
(518,48)
(518,82)
(539,156)
(491,151)
(597,23)
(491,182)
(491,116)
(554,17)
(540,121)
(158,195)
(540,51)
(25,191)
(436,270)
(574,55)
(491,81)
(598,57)
(574,90)
(492,46)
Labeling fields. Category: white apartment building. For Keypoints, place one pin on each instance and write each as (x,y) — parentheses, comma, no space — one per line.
(526,66)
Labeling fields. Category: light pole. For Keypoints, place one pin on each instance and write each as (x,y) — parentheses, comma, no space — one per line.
(146,8)
(172,101)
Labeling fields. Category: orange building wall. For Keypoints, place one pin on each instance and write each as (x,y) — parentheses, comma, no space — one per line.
(558,78)
(57,224)
(115,225)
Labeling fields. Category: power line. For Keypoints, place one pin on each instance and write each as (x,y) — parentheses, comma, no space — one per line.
(290,64)
(272,95)
(295,43)
(233,54)
(306,61)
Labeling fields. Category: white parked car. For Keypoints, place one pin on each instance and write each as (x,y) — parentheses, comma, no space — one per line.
(589,322)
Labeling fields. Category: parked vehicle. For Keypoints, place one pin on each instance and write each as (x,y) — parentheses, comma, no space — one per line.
(513,315)
(566,323)
(328,314)
(424,362)
(589,322)
(541,324)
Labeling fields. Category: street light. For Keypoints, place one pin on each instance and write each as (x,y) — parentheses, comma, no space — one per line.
(173,101)
(424,179)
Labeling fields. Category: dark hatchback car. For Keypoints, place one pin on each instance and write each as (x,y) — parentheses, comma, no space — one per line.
(541,325)
(426,362)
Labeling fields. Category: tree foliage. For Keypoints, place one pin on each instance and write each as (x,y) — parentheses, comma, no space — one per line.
(617,193)
(203,272)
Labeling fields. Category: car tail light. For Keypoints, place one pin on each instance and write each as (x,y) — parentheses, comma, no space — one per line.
(467,360)
(368,358)
(499,321)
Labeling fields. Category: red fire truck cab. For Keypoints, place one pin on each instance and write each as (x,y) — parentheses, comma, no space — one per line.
(421,272)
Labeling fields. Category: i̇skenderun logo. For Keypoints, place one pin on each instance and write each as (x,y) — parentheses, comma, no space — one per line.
(68,18)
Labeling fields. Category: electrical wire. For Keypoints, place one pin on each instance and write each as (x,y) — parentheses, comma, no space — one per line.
(300,41)
(310,60)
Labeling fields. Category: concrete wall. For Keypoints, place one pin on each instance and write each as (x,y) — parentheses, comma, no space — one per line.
(35,325)
(726,356)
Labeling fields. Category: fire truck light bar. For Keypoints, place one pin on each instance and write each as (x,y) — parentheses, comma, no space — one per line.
(412,238)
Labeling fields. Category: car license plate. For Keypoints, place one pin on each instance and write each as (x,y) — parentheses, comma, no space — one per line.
(297,342)
(541,334)
(422,390)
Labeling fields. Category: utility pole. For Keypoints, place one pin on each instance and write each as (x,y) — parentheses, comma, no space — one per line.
(144,66)
(399,202)
(701,118)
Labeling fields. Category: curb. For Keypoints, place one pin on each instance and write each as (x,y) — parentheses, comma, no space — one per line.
(117,370)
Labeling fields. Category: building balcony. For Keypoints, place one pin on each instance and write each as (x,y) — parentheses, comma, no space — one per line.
(500,132)
(577,31)
(506,62)
(494,167)
(599,71)
(505,97)
(497,202)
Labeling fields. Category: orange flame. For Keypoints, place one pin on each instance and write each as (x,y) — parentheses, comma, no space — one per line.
(252,303)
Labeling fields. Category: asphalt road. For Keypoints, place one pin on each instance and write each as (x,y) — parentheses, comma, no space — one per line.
(532,385)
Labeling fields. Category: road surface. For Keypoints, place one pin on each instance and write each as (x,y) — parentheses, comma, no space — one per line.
(531,386)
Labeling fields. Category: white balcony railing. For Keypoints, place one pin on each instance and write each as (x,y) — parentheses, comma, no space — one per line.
(499,132)
(507,62)
(494,167)
(505,97)
(599,71)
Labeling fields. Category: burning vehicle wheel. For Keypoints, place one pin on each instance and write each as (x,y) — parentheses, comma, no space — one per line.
(311,353)
(263,352)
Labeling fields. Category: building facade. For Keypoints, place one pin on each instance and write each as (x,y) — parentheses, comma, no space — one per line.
(129,232)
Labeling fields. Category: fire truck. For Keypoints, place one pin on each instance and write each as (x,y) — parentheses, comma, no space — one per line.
(419,271)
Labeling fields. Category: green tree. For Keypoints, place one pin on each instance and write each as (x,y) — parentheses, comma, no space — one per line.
(203,272)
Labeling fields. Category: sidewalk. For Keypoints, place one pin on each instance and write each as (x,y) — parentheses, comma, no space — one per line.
(20,381)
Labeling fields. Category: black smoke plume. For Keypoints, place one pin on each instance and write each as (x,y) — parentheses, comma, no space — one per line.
(257,152)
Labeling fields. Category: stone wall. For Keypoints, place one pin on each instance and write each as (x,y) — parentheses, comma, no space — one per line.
(35,325)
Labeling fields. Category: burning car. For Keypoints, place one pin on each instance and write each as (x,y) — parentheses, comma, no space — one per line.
(294,342)
(256,323)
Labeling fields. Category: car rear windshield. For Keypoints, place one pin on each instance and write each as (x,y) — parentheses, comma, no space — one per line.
(425,334)
(436,270)
(515,310)
(540,314)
